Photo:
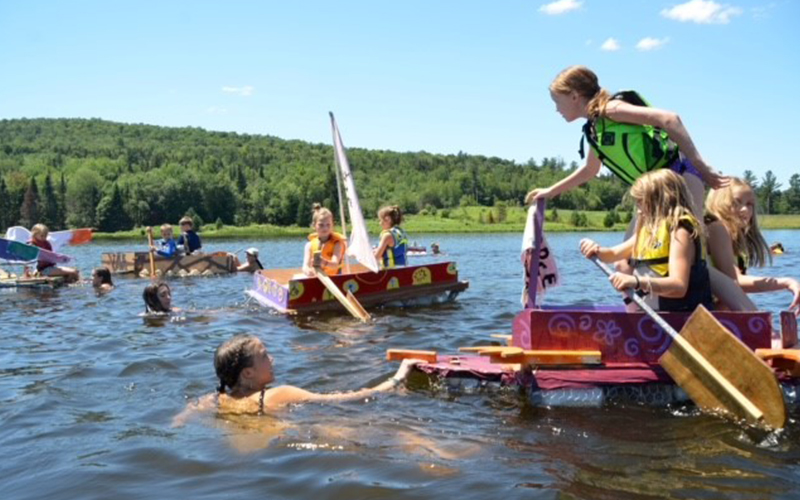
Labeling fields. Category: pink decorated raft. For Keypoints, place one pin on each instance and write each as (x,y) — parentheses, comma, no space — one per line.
(592,355)
(288,291)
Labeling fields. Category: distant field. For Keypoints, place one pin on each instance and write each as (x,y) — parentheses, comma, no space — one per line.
(457,220)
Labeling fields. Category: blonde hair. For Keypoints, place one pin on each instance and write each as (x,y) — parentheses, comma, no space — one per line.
(662,195)
(394,212)
(40,231)
(188,219)
(166,227)
(584,82)
(747,240)
(318,213)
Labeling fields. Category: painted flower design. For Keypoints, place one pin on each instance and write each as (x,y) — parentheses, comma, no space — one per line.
(607,331)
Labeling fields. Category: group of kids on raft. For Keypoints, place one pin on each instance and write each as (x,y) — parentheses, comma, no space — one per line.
(666,256)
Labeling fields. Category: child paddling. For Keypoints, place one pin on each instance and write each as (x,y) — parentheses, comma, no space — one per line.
(666,250)
(330,244)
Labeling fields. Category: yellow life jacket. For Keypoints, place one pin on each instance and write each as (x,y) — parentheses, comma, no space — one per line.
(327,250)
(396,254)
(653,258)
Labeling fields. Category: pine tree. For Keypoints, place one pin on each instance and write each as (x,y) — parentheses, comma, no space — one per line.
(49,206)
(62,202)
(5,206)
(29,213)
(111,215)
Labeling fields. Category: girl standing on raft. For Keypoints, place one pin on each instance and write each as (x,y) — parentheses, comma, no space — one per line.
(244,369)
(392,250)
(627,136)
(735,241)
(330,244)
(666,250)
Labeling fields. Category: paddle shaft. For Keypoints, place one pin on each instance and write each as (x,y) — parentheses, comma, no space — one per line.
(356,310)
(152,258)
(735,395)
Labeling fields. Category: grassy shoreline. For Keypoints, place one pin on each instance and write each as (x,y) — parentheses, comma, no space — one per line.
(460,220)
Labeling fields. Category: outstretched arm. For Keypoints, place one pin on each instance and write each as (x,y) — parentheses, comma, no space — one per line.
(669,121)
(286,395)
(590,248)
(580,176)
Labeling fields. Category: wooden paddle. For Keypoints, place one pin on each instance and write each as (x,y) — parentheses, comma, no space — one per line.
(152,258)
(716,369)
(349,302)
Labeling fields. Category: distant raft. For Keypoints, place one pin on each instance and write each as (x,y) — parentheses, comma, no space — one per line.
(138,264)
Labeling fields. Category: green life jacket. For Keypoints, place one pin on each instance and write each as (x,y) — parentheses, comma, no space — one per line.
(627,149)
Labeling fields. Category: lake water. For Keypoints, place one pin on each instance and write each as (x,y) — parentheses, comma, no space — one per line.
(88,391)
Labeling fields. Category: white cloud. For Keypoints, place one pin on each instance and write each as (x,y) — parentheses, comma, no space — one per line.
(702,12)
(560,7)
(245,91)
(649,43)
(610,45)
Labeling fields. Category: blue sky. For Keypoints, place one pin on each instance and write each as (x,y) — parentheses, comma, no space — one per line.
(441,76)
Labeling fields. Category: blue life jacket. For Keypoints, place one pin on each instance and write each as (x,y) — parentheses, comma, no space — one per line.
(395,255)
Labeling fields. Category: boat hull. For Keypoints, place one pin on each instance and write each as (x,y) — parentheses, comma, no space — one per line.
(288,291)
(138,264)
(629,344)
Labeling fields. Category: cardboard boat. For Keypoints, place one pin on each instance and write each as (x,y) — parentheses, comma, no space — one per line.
(289,291)
(138,264)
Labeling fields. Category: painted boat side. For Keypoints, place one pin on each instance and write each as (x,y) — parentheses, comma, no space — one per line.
(138,264)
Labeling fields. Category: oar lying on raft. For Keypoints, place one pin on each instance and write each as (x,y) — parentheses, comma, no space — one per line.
(349,302)
(716,369)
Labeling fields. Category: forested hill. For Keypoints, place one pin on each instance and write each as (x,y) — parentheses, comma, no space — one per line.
(114,176)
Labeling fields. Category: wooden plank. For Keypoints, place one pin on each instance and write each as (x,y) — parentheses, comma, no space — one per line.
(401,354)
(555,358)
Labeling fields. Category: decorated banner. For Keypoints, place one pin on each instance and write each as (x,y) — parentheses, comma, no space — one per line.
(538,260)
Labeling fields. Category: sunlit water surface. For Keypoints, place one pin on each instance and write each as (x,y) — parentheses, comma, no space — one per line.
(88,391)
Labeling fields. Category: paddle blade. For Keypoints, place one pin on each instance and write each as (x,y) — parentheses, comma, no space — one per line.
(362,313)
(734,364)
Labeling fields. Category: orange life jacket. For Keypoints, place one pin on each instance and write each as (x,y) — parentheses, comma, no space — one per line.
(327,250)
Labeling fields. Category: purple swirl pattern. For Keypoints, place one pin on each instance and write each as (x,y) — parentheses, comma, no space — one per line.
(632,348)
(561,325)
(585,323)
(730,325)
(757,324)
(655,336)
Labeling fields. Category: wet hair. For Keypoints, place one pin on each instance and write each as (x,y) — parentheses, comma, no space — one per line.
(104,274)
(39,231)
(232,357)
(152,303)
(747,240)
(318,213)
(662,195)
(394,212)
(584,82)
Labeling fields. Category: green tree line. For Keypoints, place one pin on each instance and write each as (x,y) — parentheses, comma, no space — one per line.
(113,176)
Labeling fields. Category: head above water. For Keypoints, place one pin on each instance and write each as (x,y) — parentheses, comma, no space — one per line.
(577,93)
(39,232)
(661,195)
(321,220)
(101,276)
(392,214)
(157,298)
(242,361)
(735,207)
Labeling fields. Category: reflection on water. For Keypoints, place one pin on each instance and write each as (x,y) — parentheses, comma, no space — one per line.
(89,389)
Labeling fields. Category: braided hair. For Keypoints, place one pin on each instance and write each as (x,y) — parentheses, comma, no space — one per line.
(232,357)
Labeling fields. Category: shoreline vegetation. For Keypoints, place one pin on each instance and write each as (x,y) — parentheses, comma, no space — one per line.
(460,220)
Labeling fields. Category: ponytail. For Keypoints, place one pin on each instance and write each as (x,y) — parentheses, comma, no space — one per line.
(584,82)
